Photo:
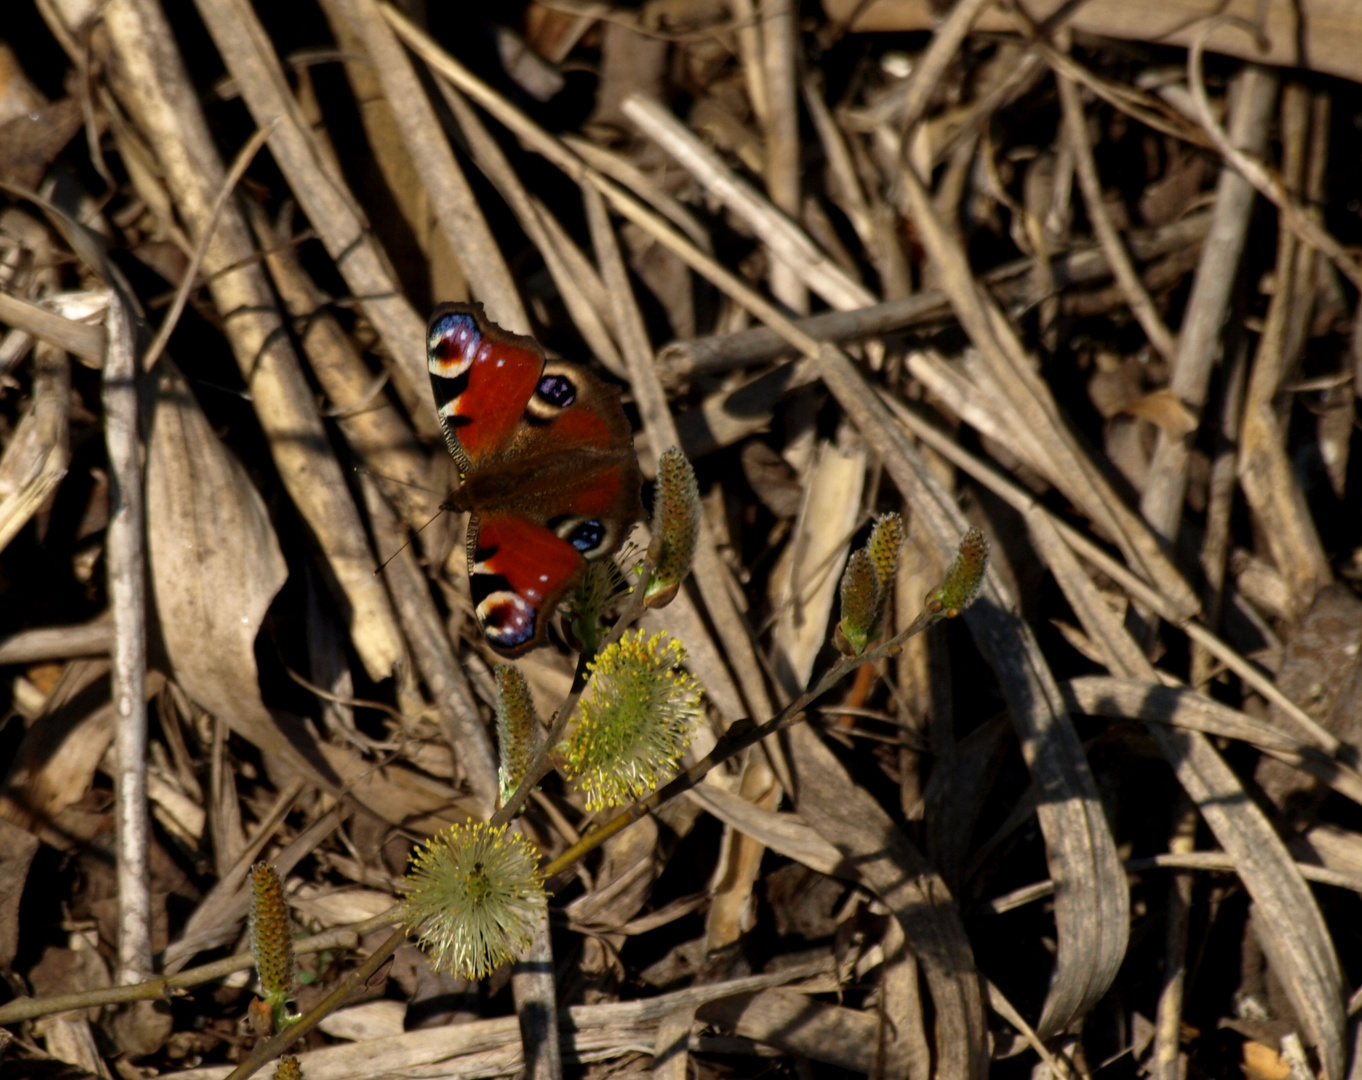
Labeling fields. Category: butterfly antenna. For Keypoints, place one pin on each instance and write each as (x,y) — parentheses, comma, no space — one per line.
(384,564)
(395,480)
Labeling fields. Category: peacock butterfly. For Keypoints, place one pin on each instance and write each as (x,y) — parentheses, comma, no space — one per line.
(546,469)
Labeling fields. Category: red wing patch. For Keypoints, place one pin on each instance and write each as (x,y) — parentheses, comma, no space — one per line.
(518,570)
(482,377)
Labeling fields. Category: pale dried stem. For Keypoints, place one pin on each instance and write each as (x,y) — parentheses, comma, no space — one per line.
(1076,125)
(780,40)
(1269,186)
(84,340)
(871,222)
(1198,339)
(38,453)
(1215,544)
(128,601)
(1168,1020)
(1004,1008)
(931,65)
(747,31)
(623,171)
(534,219)
(58,642)
(189,278)
(536,1004)
(785,239)
(373,427)
(439,668)
(324,197)
(156,82)
(451,197)
(1265,469)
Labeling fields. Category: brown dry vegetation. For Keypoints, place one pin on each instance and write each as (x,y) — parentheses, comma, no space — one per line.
(1108,822)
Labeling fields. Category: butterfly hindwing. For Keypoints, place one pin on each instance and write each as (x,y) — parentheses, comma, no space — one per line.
(518,570)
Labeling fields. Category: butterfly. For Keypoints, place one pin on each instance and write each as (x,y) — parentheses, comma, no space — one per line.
(546,464)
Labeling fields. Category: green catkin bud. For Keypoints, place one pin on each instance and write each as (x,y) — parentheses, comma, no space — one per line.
(676,527)
(964,579)
(886,538)
(271,941)
(517,728)
(476,897)
(635,721)
(288,1069)
(862,604)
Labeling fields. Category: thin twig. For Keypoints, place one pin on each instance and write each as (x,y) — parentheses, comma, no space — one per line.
(243,160)
(1257,174)
(164,987)
(1075,123)
(1212,287)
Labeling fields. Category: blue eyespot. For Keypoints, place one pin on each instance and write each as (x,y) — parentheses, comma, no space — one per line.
(557,390)
(587,536)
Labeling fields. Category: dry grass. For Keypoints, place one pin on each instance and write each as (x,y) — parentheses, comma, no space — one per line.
(1106,822)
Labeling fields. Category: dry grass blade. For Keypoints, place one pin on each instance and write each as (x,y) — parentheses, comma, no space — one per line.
(1155,701)
(444,182)
(885,862)
(1086,166)
(785,239)
(1199,337)
(320,191)
(1292,930)
(75,337)
(215,566)
(37,455)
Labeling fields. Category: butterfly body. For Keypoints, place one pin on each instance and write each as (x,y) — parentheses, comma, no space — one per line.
(547,470)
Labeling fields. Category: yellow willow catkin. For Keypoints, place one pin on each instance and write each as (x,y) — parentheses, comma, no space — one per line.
(271,940)
(635,720)
(475,895)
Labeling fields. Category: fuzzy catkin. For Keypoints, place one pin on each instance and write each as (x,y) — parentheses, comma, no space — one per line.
(271,940)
